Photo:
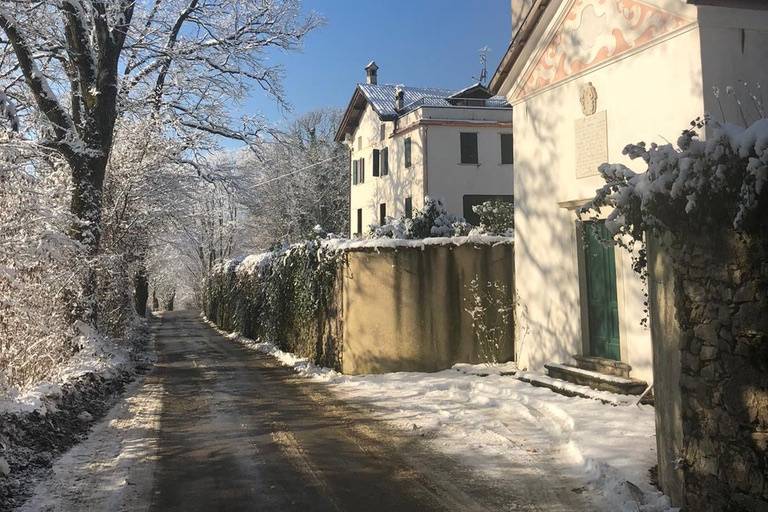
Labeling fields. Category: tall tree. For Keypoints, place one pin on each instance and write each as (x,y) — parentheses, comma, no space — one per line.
(77,66)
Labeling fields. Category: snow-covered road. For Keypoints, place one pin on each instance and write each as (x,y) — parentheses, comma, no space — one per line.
(219,427)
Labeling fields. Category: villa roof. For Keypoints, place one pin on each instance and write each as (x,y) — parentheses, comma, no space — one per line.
(381,97)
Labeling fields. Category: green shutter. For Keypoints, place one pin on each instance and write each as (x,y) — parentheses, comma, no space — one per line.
(385,161)
(507,148)
(407,151)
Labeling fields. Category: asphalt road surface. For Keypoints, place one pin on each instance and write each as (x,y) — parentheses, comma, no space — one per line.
(218,427)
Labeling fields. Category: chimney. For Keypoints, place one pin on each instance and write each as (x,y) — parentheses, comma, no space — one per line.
(399,99)
(371,76)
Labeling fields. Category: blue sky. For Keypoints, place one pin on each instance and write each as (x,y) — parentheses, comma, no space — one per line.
(428,43)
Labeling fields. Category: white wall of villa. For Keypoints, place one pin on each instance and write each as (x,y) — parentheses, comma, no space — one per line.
(436,169)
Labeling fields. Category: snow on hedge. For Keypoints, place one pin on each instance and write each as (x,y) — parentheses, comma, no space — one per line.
(257,263)
(343,244)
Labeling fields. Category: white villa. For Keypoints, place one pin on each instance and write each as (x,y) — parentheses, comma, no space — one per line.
(585,78)
(408,142)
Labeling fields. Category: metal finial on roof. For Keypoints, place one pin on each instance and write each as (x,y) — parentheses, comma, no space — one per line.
(484,51)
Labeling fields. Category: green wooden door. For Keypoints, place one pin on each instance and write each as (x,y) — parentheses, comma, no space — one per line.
(601,292)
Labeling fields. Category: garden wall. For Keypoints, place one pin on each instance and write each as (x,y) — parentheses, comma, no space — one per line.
(368,308)
(404,309)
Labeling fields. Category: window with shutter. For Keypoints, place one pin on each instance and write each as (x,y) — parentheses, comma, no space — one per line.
(359,221)
(375,162)
(408,208)
(506,148)
(407,151)
(362,170)
(382,214)
(385,161)
(468,148)
(355,175)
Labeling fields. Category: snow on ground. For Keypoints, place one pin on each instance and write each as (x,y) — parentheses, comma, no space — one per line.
(113,468)
(98,354)
(484,416)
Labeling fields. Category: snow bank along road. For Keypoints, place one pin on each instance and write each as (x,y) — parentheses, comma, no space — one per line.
(219,427)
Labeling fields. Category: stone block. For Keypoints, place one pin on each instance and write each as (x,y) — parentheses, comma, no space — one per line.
(707,333)
(709,372)
(724,314)
(746,293)
(691,362)
(760,441)
(694,346)
(695,291)
(708,353)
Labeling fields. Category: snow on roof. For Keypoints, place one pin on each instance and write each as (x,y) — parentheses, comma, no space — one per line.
(382,99)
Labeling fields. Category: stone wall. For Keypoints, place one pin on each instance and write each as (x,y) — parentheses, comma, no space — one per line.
(720,424)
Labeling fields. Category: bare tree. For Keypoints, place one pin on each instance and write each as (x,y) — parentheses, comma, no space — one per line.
(302,181)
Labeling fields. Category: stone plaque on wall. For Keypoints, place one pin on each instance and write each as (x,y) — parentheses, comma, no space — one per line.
(591,144)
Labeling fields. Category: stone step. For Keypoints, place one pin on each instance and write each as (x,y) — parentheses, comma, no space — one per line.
(596,380)
(603,365)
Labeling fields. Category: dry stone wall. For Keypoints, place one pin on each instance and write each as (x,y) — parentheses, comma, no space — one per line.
(721,303)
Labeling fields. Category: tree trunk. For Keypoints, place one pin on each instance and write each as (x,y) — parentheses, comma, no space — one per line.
(141,291)
(169,301)
(155,302)
(88,180)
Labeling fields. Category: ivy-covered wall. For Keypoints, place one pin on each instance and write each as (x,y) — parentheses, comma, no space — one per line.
(288,297)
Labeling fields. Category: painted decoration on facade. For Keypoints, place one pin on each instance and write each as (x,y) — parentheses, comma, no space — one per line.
(595,31)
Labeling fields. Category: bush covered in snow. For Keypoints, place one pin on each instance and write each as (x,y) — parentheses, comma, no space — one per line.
(431,221)
(496,217)
(690,189)
(40,267)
